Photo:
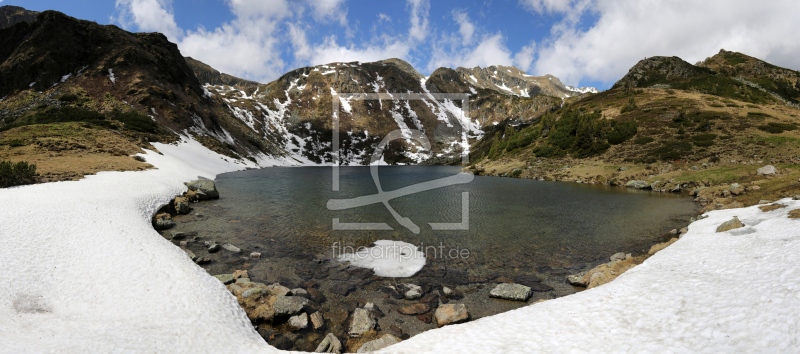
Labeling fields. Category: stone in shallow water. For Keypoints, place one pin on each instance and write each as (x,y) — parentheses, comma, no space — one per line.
(451,313)
(329,344)
(360,322)
(316,320)
(298,322)
(289,305)
(410,291)
(231,248)
(380,343)
(225,278)
(508,291)
(414,309)
(214,248)
(207,188)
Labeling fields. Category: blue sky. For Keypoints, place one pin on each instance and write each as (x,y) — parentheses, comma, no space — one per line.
(583,42)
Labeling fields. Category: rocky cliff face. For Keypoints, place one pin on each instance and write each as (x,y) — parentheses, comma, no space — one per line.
(11,15)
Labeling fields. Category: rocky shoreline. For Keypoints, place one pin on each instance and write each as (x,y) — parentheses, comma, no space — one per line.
(337,308)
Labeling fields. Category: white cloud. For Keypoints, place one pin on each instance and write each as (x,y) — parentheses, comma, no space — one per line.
(149,16)
(627,31)
(419,19)
(465,27)
(525,57)
(324,10)
(491,50)
(382,17)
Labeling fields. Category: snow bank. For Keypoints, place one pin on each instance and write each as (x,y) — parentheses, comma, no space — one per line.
(396,259)
(84,271)
(735,291)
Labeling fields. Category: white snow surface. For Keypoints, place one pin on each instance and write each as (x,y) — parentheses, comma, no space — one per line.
(396,259)
(84,271)
(111,76)
(709,292)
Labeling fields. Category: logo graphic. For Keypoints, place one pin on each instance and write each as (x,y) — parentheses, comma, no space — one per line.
(383,197)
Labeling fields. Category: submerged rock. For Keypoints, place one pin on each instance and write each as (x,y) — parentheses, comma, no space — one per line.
(360,322)
(215,247)
(289,305)
(225,278)
(316,320)
(298,322)
(414,309)
(231,248)
(329,344)
(577,279)
(511,291)
(731,224)
(380,343)
(451,313)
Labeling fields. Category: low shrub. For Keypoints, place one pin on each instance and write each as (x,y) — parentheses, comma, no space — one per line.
(15,174)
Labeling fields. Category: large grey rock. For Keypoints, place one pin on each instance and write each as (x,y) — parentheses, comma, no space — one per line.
(329,344)
(214,248)
(767,170)
(638,184)
(360,322)
(380,343)
(298,322)
(289,305)
(510,291)
(207,188)
(451,313)
(731,224)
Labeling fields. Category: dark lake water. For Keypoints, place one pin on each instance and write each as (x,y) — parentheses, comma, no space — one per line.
(525,231)
(513,223)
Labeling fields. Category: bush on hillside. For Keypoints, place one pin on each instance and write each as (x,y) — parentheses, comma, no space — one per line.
(15,174)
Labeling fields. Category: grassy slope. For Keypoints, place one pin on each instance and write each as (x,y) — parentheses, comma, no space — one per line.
(683,136)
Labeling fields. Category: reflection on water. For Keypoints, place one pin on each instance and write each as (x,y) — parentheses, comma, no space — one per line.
(513,223)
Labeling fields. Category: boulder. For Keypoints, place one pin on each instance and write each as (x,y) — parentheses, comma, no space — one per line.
(377,344)
(255,254)
(225,278)
(451,313)
(298,292)
(237,274)
(511,291)
(163,221)
(767,170)
(298,322)
(731,224)
(289,305)
(329,344)
(637,184)
(214,248)
(181,205)
(360,322)
(203,260)
(736,189)
(206,187)
(414,309)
